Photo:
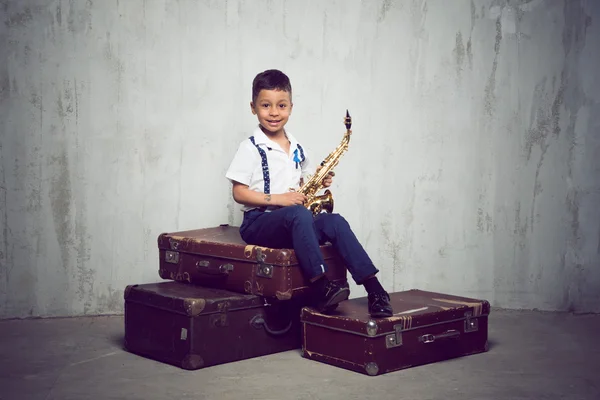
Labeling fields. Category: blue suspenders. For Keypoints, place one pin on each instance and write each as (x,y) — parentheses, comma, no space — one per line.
(265,166)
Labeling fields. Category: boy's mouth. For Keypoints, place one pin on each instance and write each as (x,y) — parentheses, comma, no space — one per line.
(273,122)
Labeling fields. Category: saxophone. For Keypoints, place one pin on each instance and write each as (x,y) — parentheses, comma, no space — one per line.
(324,202)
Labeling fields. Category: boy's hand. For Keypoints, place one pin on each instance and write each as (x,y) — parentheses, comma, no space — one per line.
(328,180)
(289,199)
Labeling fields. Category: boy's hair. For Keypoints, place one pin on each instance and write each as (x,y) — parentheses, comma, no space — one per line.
(271,79)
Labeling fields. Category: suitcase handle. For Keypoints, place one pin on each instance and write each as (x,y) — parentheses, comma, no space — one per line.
(204,267)
(257,321)
(429,338)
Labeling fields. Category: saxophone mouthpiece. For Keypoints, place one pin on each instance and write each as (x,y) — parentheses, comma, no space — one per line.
(348,120)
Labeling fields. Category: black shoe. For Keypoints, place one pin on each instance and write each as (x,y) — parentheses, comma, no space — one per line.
(331,296)
(379,305)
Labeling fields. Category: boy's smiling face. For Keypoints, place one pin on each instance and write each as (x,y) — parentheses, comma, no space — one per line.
(273,109)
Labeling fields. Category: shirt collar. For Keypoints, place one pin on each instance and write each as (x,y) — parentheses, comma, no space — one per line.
(261,138)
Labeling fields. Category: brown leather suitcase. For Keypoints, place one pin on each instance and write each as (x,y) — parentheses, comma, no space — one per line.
(426,327)
(194,327)
(218,257)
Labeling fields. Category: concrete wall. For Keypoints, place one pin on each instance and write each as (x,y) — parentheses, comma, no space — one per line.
(473,166)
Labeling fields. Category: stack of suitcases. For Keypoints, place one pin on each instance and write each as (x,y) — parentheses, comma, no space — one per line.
(223,300)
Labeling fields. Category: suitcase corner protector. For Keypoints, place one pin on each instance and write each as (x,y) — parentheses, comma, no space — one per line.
(192,361)
(164,274)
(283,295)
(372,369)
(127,291)
(193,307)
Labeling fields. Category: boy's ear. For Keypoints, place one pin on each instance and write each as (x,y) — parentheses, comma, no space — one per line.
(252,108)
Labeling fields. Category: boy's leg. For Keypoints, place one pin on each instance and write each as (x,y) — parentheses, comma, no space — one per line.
(335,229)
(293,227)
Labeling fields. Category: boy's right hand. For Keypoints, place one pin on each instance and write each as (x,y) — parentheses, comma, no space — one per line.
(290,199)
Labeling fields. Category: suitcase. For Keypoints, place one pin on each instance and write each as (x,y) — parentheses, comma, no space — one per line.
(426,327)
(218,257)
(193,327)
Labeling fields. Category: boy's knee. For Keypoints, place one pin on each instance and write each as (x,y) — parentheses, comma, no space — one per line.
(300,213)
(338,220)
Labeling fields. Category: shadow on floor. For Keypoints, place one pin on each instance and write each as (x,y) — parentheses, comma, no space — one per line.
(118,340)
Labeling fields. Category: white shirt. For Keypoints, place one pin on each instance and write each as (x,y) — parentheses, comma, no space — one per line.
(284,171)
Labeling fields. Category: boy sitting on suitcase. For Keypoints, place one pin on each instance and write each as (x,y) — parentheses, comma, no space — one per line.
(265,171)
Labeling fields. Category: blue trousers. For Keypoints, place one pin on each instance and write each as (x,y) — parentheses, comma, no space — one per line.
(295,227)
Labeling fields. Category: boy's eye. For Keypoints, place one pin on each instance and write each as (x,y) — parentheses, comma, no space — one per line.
(265,105)
(282,105)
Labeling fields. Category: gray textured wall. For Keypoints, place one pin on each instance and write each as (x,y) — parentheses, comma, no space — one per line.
(473,167)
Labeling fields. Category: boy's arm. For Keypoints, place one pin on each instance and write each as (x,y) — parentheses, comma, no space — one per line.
(243,195)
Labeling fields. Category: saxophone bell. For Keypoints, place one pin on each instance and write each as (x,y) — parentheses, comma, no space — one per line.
(321,203)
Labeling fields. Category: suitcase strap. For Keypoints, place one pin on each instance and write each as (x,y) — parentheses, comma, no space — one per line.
(429,338)
(205,267)
(258,321)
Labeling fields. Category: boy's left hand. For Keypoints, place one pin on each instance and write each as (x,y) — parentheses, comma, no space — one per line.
(328,179)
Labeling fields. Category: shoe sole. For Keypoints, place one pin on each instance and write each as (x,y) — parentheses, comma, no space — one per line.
(340,296)
(381,315)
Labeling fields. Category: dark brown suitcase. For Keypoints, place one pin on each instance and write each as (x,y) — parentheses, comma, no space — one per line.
(194,327)
(426,327)
(218,257)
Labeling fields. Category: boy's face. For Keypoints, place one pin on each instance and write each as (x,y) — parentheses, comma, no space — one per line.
(273,109)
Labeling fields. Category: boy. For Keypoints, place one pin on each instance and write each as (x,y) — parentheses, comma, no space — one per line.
(265,172)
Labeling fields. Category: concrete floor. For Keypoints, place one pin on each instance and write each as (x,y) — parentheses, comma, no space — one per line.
(532,355)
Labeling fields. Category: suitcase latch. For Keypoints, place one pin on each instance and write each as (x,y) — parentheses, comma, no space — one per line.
(394,339)
(471,324)
(263,270)
(172,257)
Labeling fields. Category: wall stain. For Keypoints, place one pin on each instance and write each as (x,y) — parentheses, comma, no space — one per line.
(469,45)
(115,61)
(60,202)
(539,119)
(392,247)
(85,276)
(59,13)
(574,288)
(419,10)
(598,249)
(4,255)
(385,7)
(14,87)
(576,23)
(79,21)
(573,199)
(111,302)
(575,29)
(230,207)
(19,19)
(459,54)
(520,229)
(490,97)
(5,88)
(484,221)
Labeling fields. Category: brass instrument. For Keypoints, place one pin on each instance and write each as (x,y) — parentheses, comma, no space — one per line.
(324,202)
